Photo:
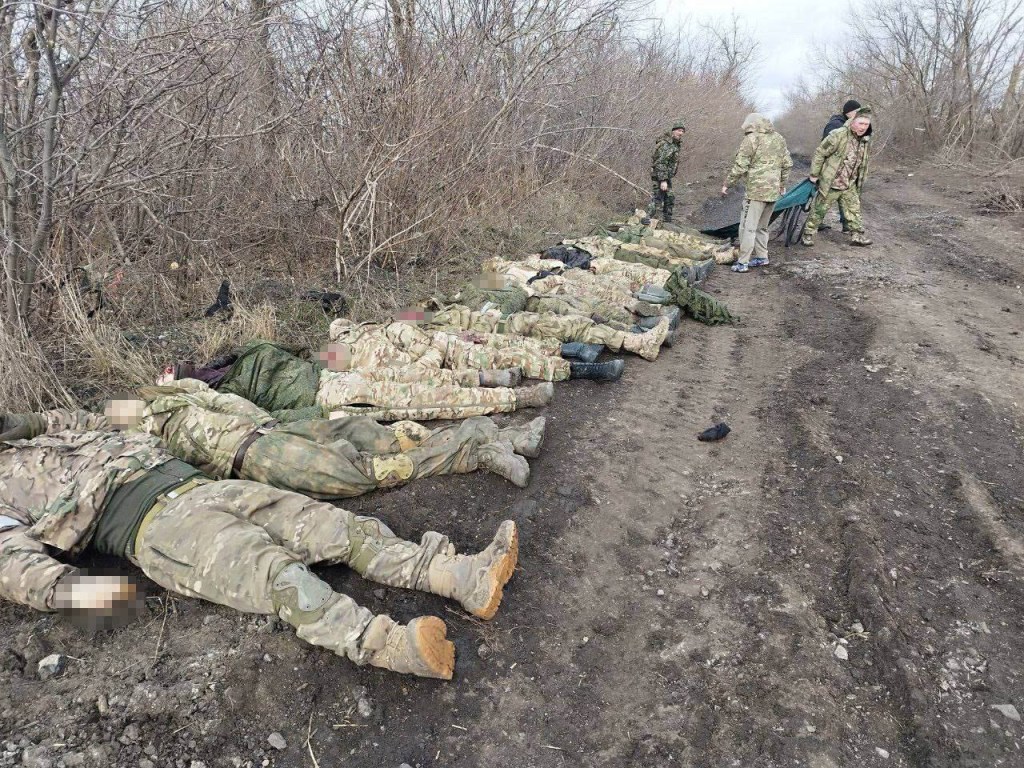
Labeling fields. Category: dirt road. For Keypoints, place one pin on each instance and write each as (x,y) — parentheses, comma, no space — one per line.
(838,583)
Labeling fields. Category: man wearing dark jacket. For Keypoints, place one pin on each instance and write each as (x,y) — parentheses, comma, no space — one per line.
(834,123)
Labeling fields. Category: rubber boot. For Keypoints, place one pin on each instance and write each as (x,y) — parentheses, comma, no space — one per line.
(500,458)
(610,371)
(654,294)
(527,439)
(588,353)
(648,323)
(647,344)
(477,581)
(418,648)
(674,315)
(501,377)
(536,396)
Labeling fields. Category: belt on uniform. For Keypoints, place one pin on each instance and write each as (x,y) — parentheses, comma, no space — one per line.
(163,499)
(236,463)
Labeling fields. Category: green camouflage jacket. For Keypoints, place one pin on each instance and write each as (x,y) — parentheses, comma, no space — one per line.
(762,160)
(665,160)
(832,151)
(199,425)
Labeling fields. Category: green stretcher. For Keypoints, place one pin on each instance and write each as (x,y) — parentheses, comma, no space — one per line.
(792,206)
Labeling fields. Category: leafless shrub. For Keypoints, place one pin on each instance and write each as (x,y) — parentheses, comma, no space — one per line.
(147,150)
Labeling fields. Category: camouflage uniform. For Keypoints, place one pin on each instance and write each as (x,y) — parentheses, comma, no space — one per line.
(664,166)
(278,381)
(375,346)
(764,163)
(233,542)
(324,459)
(561,327)
(840,164)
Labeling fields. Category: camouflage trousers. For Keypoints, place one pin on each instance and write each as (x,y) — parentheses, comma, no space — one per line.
(666,200)
(561,327)
(849,206)
(598,310)
(463,354)
(417,401)
(315,458)
(504,341)
(229,542)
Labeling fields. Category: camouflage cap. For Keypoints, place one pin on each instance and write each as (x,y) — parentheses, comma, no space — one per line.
(678,125)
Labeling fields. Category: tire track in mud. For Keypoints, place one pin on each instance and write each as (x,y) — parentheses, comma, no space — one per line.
(917,561)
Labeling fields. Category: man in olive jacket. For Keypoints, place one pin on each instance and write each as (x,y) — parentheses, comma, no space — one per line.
(664,166)
(839,168)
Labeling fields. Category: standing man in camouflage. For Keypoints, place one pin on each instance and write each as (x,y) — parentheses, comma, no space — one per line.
(233,542)
(763,162)
(664,166)
(839,168)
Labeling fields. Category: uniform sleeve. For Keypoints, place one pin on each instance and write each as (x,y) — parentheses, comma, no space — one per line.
(787,166)
(826,148)
(28,575)
(662,166)
(741,164)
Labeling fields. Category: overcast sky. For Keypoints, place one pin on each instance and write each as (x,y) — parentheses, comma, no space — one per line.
(787,32)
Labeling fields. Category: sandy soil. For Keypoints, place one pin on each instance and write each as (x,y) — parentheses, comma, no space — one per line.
(837,583)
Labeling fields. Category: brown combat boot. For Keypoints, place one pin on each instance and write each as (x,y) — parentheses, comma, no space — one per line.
(501,377)
(418,648)
(477,581)
(527,439)
(859,238)
(536,396)
(499,458)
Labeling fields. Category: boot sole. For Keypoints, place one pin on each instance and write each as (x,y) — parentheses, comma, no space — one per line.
(429,638)
(499,575)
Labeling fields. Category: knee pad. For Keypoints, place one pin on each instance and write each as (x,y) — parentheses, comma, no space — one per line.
(299,596)
(366,540)
(392,469)
(409,434)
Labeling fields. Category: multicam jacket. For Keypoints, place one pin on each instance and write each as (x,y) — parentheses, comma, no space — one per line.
(762,160)
(665,160)
(832,152)
(60,482)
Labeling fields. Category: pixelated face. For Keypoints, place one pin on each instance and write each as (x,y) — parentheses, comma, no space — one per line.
(414,316)
(489,281)
(336,357)
(860,125)
(124,412)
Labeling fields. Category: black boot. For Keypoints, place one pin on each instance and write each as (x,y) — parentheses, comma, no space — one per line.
(588,353)
(610,371)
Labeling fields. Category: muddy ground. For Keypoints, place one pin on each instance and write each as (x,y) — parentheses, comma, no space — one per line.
(837,583)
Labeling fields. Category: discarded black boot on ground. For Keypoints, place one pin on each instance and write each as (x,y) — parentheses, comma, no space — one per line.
(716,432)
(222,305)
(610,371)
(588,353)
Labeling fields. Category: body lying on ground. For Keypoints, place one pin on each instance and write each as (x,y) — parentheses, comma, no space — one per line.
(366,346)
(565,328)
(232,542)
(277,380)
(226,436)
